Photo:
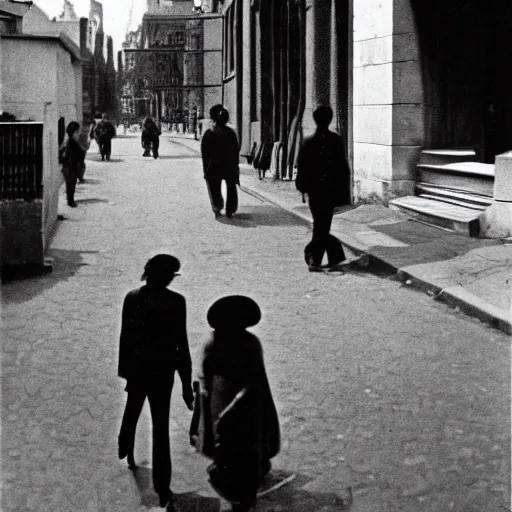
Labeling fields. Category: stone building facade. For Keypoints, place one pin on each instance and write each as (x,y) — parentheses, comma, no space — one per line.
(415,85)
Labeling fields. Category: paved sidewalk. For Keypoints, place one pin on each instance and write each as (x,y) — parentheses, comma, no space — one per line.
(474,275)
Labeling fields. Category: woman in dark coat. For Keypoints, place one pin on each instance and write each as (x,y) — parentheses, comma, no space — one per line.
(153,346)
(239,415)
(220,153)
(150,137)
(71,156)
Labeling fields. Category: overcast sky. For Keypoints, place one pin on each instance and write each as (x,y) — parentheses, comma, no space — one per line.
(115,15)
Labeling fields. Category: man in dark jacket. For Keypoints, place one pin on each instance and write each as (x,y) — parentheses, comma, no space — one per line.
(104,133)
(323,174)
(150,137)
(220,154)
(153,346)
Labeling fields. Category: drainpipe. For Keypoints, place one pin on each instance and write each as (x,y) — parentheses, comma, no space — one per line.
(296,126)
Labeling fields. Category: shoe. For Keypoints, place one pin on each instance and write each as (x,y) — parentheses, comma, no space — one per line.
(216,212)
(72,204)
(315,268)
(155,154)
(166,498)
(337,267)
(81,181)
(229,215)
(102,158)
(108,158)
(146,153)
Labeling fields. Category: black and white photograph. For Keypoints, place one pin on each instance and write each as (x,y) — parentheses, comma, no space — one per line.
(255,255)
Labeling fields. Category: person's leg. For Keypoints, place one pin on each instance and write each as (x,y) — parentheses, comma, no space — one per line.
(231,198)
(214,191)
(321,226)
(160,403)
(156,145)
(133,408)
(68,179)
(108,147)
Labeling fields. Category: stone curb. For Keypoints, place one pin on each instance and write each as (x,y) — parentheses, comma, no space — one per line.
(455,296)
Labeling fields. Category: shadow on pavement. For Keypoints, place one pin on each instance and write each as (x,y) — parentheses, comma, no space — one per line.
(186,502)
(178,157)
(65,264)
(90,181)
(92,200)
(265,215)
(97,158)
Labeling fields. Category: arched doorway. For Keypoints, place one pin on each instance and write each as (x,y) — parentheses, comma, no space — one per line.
(466,50)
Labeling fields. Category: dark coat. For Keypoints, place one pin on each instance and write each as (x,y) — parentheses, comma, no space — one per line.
(243,422)
(154,341)
(71,155)
(105,129)
(220,153)
(323,171)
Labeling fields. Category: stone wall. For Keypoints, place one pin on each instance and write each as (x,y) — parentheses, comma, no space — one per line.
(388,125)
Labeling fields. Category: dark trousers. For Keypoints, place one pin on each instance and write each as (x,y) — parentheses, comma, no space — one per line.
(149,142)
(217,201)
(105,143)
(70,177)
(322,241)
(159,397)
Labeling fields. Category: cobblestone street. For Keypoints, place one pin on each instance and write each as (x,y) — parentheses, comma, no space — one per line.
(378,387)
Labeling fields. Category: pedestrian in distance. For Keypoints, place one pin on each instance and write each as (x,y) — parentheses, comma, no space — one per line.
(150,137)
(323,174)
(104,133)
(153,345)
(235,420)
(220,154)
(71,155)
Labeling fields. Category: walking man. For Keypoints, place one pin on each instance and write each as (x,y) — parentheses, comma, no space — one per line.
(105,132)
(153,346)
(323,174)
(220,153)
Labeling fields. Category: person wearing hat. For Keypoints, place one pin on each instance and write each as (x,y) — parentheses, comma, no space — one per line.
(153,345)
(220,155)
(242,420)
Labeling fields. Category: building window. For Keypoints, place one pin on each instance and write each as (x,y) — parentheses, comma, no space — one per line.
(229,40)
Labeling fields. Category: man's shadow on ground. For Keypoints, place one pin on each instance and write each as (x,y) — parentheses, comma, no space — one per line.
(288,498)
(264,215)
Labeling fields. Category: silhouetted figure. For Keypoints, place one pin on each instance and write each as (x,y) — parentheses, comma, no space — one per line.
(150,137)
(220,153)
(323,174)
(237,423)
(71,156)
(85,144)
(104,133)
(153,346)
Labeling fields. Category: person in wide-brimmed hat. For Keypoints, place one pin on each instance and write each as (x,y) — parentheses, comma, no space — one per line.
(153,346)
(237,424)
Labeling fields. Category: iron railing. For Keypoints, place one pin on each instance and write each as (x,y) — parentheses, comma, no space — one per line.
(21,161)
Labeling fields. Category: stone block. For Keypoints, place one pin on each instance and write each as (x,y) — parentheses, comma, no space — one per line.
(405,47)
(407,82)
(373,124)
(375,191)
(496,221)
(408,125)
(403,17)
(373,51)
(372,18)
(404,162)
(503,178)
(373,161)
(373,85)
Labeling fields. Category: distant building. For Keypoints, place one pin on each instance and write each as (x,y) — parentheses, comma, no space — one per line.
(171,64)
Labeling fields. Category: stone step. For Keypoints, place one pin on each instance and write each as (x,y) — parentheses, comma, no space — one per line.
(457,197)
(469,177)
(436,213)
(447,156)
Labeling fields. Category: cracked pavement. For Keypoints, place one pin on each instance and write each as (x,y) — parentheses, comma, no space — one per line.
(378,387)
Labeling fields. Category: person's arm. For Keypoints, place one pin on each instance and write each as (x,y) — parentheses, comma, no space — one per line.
(205,150)
(126,339)
(302,164)
(184,359)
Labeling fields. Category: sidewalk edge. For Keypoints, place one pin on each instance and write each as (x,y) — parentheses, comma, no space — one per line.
(455,296)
